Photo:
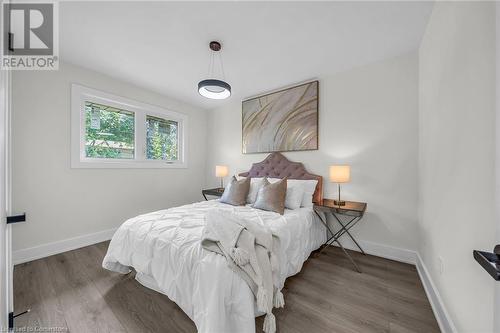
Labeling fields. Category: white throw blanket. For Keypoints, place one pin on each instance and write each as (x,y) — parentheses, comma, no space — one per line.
(251,251)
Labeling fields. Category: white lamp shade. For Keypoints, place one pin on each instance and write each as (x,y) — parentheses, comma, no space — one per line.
(221,171)
(340,173)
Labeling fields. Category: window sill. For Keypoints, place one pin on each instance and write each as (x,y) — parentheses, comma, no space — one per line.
(88,164)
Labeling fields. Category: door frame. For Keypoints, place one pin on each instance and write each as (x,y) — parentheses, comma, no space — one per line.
(4,271)
(6,267)
(9,287)
(496,306)
(8,194)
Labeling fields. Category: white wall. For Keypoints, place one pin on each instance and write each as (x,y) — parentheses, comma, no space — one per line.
(61,202)
(368,119)
(457,151)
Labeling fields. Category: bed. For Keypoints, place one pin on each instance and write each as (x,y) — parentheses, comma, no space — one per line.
(164,249)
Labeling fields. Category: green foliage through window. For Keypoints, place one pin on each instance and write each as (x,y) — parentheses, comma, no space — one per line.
(109,132)
(161,139)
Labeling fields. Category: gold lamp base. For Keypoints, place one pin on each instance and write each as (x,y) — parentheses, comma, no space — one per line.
(339,202)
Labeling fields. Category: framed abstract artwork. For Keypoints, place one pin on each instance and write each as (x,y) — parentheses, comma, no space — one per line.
(285,120)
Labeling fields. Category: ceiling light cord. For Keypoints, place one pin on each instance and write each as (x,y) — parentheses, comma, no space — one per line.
(209,63)
(222,67)
(212,68)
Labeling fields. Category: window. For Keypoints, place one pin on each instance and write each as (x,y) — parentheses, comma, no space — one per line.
(109,132)
(114,132)
(161,139)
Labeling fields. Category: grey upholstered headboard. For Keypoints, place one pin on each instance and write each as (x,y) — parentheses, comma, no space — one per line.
(275,165)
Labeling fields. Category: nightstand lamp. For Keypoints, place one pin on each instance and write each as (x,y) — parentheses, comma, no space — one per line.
(340,174)
(221,171)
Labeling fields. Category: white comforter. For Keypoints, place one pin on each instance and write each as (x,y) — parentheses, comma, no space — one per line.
(164,248)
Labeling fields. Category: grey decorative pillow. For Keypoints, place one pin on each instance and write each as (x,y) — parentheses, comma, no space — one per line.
(272,196)
(236,192)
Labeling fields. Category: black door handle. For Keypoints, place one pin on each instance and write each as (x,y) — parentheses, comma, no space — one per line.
(490,261)
(16,218)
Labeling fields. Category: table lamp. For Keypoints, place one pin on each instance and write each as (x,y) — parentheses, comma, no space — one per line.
(340,174)
(221,171)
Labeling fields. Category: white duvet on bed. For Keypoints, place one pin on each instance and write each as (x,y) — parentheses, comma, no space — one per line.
(164,248)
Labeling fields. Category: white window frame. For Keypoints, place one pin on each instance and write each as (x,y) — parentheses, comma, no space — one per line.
(81,94)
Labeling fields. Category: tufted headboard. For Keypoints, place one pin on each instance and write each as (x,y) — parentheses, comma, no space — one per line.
(275,165)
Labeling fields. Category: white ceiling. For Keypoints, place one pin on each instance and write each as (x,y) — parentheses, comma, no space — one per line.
(163,46)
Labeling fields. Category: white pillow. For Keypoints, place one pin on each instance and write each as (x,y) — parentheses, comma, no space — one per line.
(294,194)
(308,186)
(255,185)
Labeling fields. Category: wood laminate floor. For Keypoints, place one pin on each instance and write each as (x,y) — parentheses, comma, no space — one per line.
(72,292)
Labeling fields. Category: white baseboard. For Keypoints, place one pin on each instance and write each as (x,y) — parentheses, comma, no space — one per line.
(442,316)
(411,257)
(384,251)
(49,249)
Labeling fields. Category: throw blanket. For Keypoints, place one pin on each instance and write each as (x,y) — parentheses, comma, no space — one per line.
(251,251)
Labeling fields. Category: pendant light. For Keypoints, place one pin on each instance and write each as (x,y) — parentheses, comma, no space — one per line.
(213,88)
